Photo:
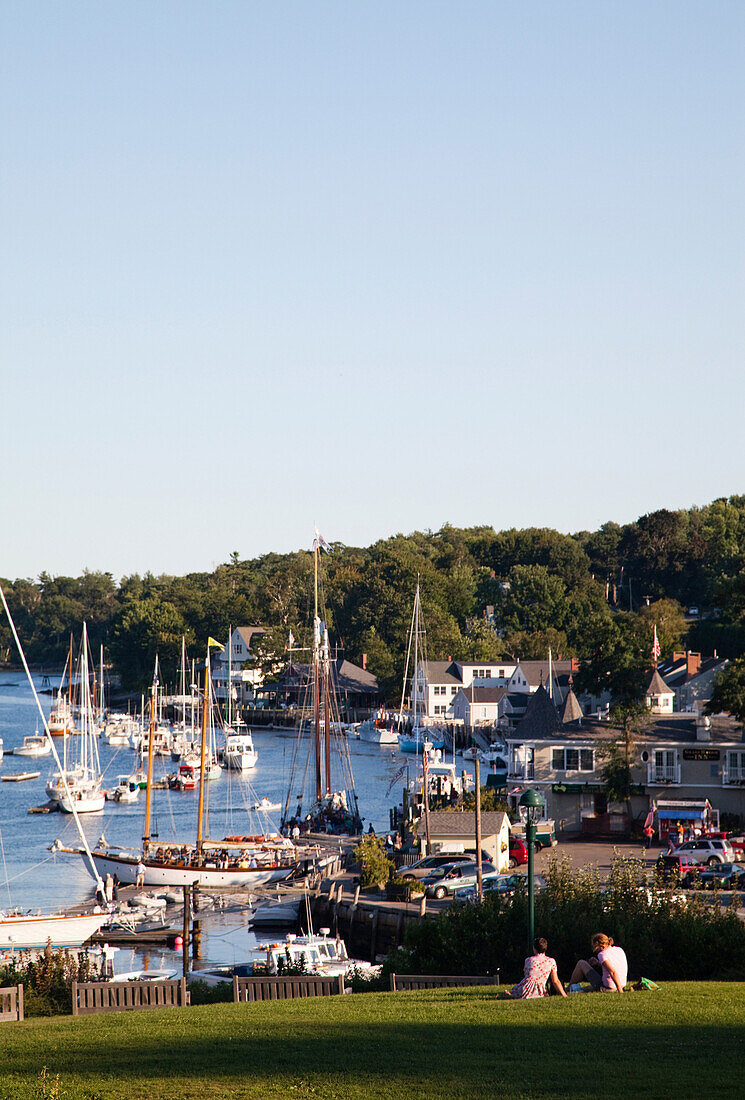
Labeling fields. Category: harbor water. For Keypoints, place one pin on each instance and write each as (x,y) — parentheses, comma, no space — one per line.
(32,877)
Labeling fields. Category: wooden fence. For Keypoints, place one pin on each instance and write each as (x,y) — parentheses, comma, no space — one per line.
(280,989)
(440,981)
(11,1003)
(90,998)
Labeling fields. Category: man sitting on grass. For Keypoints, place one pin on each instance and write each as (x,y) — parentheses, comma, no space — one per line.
(607,970)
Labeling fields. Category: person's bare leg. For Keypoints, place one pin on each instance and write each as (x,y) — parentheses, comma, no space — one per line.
(585,972)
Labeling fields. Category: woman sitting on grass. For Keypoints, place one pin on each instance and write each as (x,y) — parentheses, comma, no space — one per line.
(539,968)
(607,970)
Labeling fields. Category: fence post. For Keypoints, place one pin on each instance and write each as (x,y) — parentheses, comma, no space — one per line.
(182,990)
(19,1003)
(74,998)
(236,995)
(393,983)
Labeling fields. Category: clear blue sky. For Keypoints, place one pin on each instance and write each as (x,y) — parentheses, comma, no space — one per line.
(374,266)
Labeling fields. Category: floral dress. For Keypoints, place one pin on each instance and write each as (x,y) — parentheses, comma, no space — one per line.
(538,970)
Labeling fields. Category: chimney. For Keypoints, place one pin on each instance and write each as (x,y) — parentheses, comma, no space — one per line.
(575,664)
(679,656)
(364,662)
(693,663)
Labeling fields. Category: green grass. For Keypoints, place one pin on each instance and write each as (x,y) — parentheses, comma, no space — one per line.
(681,1041)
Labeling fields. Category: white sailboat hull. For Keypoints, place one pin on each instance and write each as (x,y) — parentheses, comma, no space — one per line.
(63,930)
(157,874)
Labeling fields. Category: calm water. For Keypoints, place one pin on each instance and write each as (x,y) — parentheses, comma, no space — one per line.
(33,877)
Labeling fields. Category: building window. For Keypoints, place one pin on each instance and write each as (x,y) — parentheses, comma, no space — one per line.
(487,674)
(453,690)
(573,760)
(501,674)
(736,765)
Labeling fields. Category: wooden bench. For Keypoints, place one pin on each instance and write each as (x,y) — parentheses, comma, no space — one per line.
(11,1003)
(90,998)
(440,981)
(271,988)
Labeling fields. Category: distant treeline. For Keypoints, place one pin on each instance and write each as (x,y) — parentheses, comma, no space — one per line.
(485,594)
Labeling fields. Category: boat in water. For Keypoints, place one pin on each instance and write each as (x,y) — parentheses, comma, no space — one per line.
(80,782)
(321,796)
(34,745)
(379,730)
(245,860)
(23,930)
(417,736)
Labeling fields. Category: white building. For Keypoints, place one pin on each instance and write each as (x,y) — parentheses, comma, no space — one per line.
(437,683)
(237,657)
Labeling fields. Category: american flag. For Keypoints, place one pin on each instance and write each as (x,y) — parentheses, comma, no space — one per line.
(656,651)
(321,542)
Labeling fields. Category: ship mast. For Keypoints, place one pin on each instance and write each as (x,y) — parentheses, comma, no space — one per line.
(206,705)
(151,739)
(316,674)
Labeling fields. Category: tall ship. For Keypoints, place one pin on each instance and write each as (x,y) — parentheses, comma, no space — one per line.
(249,860)
(321,795)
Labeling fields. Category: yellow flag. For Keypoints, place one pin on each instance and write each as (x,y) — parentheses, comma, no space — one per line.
(218,645)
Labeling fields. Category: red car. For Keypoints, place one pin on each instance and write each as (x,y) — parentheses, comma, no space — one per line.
(518,851)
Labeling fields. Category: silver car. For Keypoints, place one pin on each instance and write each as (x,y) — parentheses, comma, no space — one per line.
(455,876)
(706,851)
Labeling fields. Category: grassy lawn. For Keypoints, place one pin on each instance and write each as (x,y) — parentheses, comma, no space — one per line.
(677,1042)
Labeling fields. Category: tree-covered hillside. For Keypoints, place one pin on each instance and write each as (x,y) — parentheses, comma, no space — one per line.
(485,594)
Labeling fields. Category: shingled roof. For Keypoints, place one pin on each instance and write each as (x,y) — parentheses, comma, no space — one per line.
(571,710)
(657,685)
(541,718)
(463,824)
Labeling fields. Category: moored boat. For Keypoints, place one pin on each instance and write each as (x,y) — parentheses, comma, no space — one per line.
(19,930)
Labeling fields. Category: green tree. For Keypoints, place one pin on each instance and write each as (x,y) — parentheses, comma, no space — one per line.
(729,691)
(145,629)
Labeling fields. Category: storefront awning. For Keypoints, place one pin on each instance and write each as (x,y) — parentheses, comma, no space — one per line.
(676,815)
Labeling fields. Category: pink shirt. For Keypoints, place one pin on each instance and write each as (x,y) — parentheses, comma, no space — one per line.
(616,956)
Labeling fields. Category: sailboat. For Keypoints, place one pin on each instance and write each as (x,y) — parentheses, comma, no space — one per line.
(330,803)
(60,723)
(19,930)
(247,861)
(81,782)
(420,736)
(239,753)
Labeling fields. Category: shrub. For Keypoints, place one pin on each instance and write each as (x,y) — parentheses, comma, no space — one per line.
(663,938)
(377,868)
(47,979)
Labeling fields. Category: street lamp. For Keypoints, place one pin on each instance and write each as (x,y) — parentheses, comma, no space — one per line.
(531,809)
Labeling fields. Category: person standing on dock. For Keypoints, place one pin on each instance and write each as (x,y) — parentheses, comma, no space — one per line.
(140,881)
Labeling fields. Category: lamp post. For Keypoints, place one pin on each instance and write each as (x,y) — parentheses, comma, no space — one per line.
(531,807)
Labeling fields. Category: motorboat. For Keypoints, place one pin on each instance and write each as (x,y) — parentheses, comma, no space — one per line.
(34,745)
(127,789)
(266,806)
(281,911)
(378,731)
(239,753)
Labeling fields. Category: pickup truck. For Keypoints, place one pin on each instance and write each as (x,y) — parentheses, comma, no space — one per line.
(545,836)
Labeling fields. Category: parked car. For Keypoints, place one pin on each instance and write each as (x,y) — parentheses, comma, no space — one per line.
(736,841)
(518,851)
(706,850)
(505,885)
(725,876)
(449,879)
(676,868)
(428,864)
